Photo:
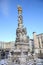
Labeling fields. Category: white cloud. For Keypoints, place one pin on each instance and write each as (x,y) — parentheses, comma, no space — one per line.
(4,7)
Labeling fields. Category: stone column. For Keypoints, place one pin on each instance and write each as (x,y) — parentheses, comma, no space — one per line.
(36,44)
(40,41)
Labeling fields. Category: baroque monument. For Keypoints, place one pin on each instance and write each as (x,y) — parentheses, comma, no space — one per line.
(22,41)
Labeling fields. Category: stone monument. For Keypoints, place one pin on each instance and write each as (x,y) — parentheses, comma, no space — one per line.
(20,53)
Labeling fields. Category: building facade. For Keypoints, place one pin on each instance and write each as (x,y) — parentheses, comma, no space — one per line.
(38,42)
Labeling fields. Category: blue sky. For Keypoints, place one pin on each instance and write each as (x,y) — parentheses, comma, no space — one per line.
(32,17)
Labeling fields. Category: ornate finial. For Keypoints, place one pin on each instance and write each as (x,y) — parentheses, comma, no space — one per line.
(19,9)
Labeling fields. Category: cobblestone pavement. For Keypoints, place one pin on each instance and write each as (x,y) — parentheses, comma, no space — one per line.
(31,62)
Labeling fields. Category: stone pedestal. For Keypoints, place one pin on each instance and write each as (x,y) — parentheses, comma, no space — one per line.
(22,60)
